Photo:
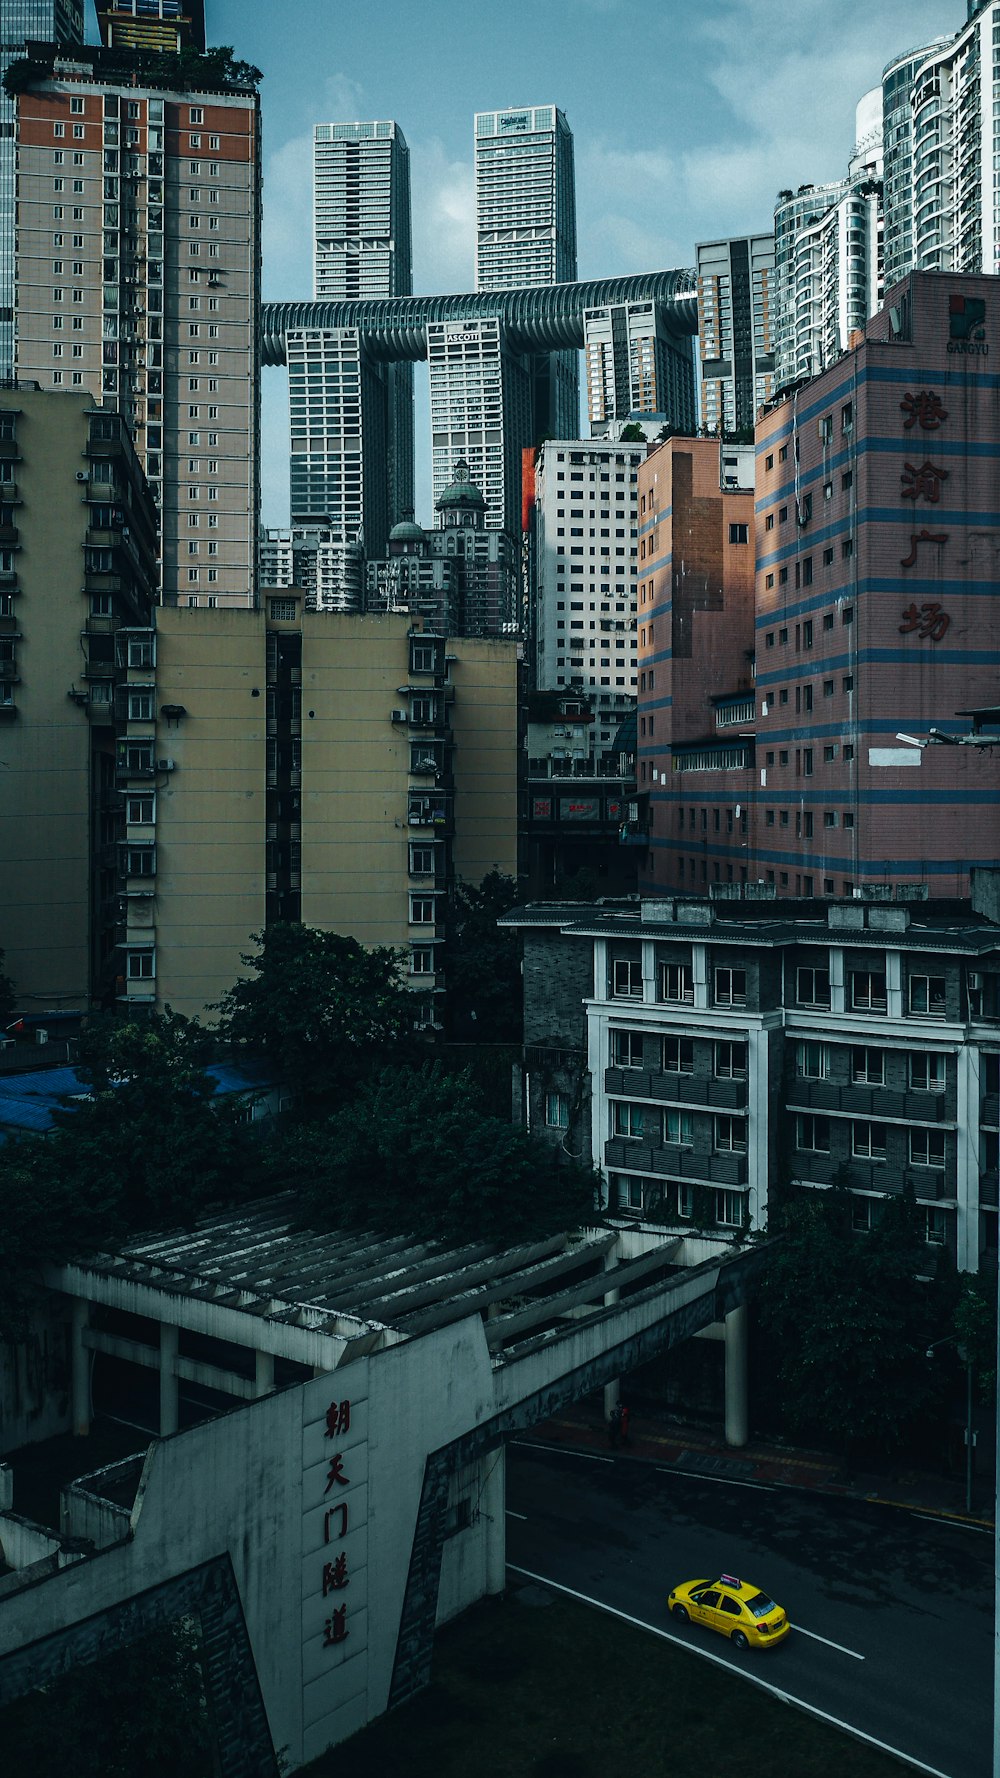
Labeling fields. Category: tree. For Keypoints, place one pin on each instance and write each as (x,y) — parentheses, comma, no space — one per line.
(850,1322)
(322,1007)
(418,1153)
(632,434)
(7,995)
(975,1323)
(483,963)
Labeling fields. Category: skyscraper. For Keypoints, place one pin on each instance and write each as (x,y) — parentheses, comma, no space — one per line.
(954,201)
(161,25)
(735,337)
(526,237)
(45,21)
(636,364)
(897,137)
(138,280)
(355,472)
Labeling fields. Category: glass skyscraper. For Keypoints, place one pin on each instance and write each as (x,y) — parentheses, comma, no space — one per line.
(21,22)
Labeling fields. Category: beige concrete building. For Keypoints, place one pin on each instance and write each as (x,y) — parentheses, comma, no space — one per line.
(138,281)
(335,769)
(77,575)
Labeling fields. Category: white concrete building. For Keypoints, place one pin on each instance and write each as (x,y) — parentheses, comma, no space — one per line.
(584,598)
(735,330)
(353,1496)
(636,365)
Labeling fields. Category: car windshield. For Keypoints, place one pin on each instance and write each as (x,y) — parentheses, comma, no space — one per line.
(760,1604)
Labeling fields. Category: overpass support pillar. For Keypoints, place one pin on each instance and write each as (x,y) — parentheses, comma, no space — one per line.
(81,1369)
(612,1390)
(168,1379)
(737,1421)
(493,1506)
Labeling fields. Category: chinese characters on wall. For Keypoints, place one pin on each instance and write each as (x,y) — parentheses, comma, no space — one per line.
(928,622)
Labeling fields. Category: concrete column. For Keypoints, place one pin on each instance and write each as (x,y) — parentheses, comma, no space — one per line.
(613,1390)
(758,1132)
(967,1159)
(601,969)
(493,1507)
(699,972)
(649,971)
(737,1424)
(81,1369)
(168,1379)
(835,964)
(893,985)
(6,1488)
(263,1381)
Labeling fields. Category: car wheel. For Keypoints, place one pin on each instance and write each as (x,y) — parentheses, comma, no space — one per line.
(680,1614)
(739,1640)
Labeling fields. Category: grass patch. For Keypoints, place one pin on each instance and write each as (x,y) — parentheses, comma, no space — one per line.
(563,1691)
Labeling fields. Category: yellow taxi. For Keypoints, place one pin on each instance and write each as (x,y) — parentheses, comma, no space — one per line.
(735,1608)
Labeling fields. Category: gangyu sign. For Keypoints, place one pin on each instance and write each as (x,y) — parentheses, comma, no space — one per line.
(967,325)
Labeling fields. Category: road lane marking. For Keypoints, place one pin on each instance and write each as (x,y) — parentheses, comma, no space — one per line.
(764,1685)
(524,1444)
(959,1524)
(838,1645)
(511,1514)
(725,1481)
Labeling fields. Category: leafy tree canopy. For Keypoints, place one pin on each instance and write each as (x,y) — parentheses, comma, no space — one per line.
(851,1322)
(484,962)
(321,1006)
(975,1323)
(633,433)
(417,1152)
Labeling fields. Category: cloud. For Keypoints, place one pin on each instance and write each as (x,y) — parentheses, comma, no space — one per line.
(444,215)
(288,189)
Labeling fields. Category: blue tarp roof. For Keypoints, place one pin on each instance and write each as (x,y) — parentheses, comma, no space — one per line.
(27,1101)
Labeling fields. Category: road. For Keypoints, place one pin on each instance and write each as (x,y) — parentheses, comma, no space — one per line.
(892,1612)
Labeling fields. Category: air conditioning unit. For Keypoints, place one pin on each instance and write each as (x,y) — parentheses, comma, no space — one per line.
(975,980)
(164,765)
(81,475)
(399,716)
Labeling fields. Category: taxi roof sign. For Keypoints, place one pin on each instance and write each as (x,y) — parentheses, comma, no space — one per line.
(730,1580)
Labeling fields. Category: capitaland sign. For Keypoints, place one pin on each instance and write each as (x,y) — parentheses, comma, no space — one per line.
(516,120)
(967,326)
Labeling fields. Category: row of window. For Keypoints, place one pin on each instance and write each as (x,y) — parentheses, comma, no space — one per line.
(647,1123)
(867,988)
(629,1192)
(926,1148)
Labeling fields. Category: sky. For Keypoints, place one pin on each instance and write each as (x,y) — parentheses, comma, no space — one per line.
(687,118)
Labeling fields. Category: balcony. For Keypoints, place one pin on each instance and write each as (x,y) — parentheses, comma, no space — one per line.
(877,1102)
(681,1089)
(666,1160)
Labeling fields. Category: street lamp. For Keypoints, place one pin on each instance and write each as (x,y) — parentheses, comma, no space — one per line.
(966,1358)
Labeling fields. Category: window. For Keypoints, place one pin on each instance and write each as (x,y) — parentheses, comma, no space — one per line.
(140,705)
(812,1133)
(557,1111)
(847,418)
(628,1120)
(729,1214)
(927,1072)
(626,978)
(738,533)
(282,610)
(626,1049)
(868,990)
(927,996)
(812,1061)
(678,1055)
(926,1148)
(678,1127)
(140,810)
(730,1060)
(139,861)
(868,1141)
(867,1066)
(676,982)
(422,910)
(730,987)
(864,1215)
(731,1135)
(141,966)
(421,861)
(812,986)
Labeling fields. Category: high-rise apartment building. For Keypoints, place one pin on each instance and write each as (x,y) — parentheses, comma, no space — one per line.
(954,200)
(828,257)
(138,217)
(481,412)
(22,21)
(339,412)
(526,237)
(329,572)
(161,25)
(636,364)
(897,156)
(362,251)
(735,331)
(583,610)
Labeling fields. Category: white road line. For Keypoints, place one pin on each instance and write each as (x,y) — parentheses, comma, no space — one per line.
(524,1444)
(725,1481)
(741,1672)
(511,1514)
(797,1627)
(959,1524)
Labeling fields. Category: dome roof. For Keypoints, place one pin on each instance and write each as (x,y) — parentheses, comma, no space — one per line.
(407,531)
(461,491)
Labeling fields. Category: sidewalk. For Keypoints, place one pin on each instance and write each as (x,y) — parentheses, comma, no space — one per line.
(660,1439)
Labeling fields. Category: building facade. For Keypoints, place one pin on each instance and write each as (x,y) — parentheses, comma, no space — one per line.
(44,21)
(695,706)
(953,201)
(711,1055)
(161,25)
(78,580)
(897,157)
(481,396)
(340,414)
(138,217)
(362,251)
(329,572)
(636,364)
(735,331)
(584,556)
